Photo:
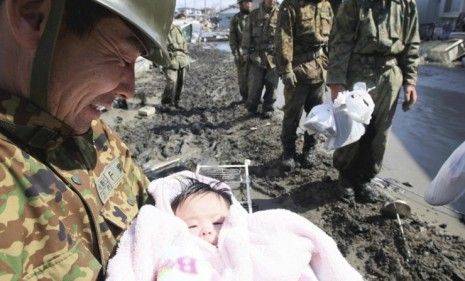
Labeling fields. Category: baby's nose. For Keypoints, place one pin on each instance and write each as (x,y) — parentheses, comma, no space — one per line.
(207,230)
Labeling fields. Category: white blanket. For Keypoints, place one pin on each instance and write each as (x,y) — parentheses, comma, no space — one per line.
(273,245)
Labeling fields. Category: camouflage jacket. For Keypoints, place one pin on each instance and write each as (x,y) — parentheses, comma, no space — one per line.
(236,29)
(64,200)
(377,28)
(177,48)
(303,31)
(259,33)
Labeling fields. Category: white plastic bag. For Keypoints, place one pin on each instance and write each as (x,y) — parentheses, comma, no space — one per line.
(449,183)
(321,119)
(347,130)
(342,121)
(359,104)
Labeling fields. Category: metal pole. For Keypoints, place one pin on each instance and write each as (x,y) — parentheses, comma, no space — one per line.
(407,248)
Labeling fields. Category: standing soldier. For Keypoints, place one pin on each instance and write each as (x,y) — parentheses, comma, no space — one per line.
(176,68)
(301,52)
(258,48)
(376,42)
(236,30)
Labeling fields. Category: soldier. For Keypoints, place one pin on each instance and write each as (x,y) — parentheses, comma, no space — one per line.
(301,53)
(258,48)
(68,186)
(176,69)
(376,42)
(236,29)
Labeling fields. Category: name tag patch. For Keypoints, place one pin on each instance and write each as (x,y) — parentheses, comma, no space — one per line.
(109,180)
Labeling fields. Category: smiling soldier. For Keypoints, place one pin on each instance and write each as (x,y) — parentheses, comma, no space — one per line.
(68,186)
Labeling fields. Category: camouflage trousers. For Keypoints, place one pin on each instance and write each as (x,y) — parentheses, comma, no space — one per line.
(297,99)
(174,82)
(242,72)
(258,78)
(361,161)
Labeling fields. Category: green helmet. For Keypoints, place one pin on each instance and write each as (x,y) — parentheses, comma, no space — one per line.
(152,18)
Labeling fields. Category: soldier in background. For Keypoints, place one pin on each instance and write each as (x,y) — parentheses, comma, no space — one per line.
(236,30)
(258,48)
(68,185)
(376,42)
(175,70)
(301,56)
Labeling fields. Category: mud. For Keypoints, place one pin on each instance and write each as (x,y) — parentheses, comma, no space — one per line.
(211,126)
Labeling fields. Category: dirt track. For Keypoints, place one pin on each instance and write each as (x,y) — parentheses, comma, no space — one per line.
(212,126)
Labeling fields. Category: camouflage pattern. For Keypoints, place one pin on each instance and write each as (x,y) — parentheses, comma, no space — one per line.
(64,200)
(296,100)
(257,79)
(258,47)
(236,29)
(177,49)
(174,72)
(376,42)
(174,82)
(301,38)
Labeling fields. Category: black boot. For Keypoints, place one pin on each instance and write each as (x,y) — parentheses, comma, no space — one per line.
(308,151)
(345,190)
(366,193)
(287,159)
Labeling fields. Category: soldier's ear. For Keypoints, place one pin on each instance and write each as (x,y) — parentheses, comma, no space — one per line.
(27,19)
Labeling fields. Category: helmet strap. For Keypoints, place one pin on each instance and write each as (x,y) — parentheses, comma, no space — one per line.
(42,65)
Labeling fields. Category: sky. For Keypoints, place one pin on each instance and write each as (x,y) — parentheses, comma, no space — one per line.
(201,3)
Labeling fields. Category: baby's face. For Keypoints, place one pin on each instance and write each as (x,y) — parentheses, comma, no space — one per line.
(204,214)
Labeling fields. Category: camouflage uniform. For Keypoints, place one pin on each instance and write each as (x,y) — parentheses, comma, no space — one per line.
(236,29)
(301,38)
(377,42)
(175,71)
(64,200)
(258,46)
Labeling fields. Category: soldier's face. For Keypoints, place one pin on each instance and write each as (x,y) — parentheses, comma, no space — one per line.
(246,6)
(90,71)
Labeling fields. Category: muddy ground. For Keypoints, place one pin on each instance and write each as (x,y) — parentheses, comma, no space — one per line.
(211,126)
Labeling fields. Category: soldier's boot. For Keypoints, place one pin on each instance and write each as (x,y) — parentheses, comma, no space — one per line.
(287,158)
(267,114)
(308,151)
(345,190)
(366,193)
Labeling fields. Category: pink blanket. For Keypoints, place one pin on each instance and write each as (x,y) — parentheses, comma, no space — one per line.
(272,245)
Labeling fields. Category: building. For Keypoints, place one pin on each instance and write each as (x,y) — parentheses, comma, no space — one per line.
(224,16)
(438,18)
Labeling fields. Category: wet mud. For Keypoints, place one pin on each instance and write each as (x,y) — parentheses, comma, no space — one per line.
(211,126)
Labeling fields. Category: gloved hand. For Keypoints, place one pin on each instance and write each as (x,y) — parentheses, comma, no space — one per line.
(410,97)
(289,79)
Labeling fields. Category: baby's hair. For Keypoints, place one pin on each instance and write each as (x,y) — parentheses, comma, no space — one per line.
(196,187)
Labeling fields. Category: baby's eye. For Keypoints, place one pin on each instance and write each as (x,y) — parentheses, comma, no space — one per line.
(192,226)
(218,223)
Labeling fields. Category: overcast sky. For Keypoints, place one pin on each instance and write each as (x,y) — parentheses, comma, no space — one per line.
(201,3)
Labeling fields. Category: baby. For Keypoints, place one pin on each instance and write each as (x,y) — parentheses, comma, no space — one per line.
(274,245)
(203,208)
